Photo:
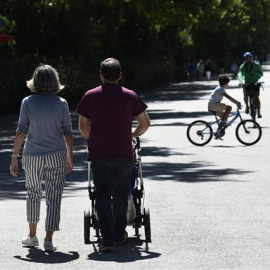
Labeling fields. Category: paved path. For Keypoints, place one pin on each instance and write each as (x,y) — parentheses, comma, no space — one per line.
(209,205)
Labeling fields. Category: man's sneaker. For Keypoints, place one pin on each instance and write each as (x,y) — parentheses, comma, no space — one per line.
(49,247)
(259,115)
(224,124)
(30,242)
(105,247)
(247,110)
(122,240)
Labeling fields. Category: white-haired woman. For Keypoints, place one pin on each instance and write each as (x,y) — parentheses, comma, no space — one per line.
(45,128)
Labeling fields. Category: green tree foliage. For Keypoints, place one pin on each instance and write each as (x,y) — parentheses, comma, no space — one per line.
(153,40)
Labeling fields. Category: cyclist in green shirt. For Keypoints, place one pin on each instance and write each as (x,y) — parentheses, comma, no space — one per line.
(250,71)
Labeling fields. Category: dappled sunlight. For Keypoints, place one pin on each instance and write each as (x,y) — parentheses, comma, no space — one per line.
(80,168)
(190,172)
(159,152)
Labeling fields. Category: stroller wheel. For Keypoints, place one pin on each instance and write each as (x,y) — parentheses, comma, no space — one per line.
(97,232)
(87,226)
(136,230)
(147,225)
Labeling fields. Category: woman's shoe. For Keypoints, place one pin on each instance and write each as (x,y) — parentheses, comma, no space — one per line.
(49,247)
(30,241)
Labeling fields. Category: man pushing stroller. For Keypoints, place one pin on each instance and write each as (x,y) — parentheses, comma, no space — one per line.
(105,121)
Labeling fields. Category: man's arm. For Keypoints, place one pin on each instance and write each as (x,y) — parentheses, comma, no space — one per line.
(143,124)
(84,127)
(240,74)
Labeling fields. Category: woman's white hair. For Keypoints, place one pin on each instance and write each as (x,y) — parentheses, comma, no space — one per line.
(45,79)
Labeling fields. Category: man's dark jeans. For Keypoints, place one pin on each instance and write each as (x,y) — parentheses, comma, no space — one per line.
(112,178)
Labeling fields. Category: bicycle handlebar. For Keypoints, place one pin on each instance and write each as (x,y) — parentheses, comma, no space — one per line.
(256,83)
(239,107)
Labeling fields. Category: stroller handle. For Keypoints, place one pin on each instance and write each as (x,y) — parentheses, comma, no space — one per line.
(138,142)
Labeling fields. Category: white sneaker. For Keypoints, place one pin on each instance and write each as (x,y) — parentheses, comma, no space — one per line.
(49,247)
(30,242)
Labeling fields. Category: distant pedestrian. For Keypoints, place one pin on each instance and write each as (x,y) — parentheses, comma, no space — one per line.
(234,70)
(191,68)
(44,127)
(200,69)
(208,70)
(256,60)
(221,66)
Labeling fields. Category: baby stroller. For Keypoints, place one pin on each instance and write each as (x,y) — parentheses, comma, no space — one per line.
(137,215)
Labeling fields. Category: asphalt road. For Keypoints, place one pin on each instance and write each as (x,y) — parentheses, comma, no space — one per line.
(209,205)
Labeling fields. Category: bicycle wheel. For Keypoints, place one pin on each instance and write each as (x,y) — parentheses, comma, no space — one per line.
(147,225)
(248,132)
(199,133)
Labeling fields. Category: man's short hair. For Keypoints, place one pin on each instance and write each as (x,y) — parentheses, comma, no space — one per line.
(223,79)
(110,68)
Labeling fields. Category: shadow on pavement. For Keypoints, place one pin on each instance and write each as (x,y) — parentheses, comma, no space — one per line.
(189,172)
(164,114)
(39,256)
(130,251)
(184,172)
(178,91)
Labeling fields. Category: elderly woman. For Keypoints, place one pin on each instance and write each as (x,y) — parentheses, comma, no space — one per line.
(45,127)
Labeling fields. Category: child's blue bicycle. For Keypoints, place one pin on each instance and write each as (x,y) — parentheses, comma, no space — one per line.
(200,132)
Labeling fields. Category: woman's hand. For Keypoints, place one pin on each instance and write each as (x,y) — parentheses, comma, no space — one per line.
(69,166)
(14,169)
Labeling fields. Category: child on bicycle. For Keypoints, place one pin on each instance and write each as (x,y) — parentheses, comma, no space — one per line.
(214,104)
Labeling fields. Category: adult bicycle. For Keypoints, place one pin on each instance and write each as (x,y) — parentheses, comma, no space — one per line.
(253,90)
(200,132)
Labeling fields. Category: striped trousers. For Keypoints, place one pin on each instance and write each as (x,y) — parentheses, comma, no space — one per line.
(51,169)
